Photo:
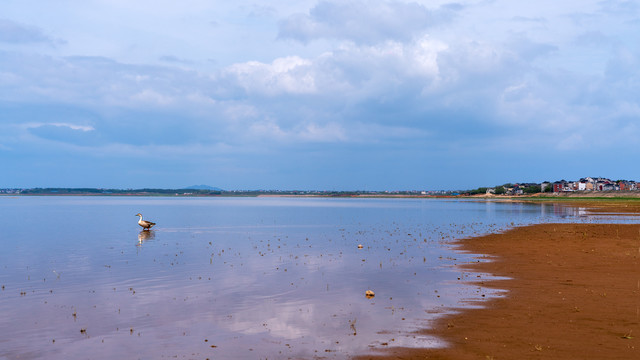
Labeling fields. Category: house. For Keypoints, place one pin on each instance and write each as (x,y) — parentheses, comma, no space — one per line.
(559,186)
(518,189)
(626,185)
(582,185)
(608,186)
(544,185)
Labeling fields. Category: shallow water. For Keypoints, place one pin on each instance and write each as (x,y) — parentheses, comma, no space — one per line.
(235,277)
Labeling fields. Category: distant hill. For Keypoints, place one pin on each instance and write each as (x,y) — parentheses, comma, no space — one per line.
(202,187)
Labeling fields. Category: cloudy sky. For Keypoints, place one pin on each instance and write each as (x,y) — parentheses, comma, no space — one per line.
(329,95)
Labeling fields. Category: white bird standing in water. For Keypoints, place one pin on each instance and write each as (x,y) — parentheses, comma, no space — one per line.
(146,225)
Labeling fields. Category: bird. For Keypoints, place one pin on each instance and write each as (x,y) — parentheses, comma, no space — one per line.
(146,225)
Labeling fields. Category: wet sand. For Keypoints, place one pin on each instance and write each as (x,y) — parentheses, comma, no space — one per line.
(574,293)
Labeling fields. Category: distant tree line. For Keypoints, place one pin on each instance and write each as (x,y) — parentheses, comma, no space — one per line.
(503,189)
(79,191)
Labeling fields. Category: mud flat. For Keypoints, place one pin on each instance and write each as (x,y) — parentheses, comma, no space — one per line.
(574,293)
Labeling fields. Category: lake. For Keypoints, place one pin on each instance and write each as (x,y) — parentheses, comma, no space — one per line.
(236,278)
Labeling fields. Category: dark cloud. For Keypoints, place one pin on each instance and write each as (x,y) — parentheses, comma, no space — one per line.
(363,22)
(13,32)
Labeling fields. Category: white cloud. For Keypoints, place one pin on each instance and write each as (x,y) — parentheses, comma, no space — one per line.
(291,75)
(267,129)
(58,124)
(424,56)
(153,97)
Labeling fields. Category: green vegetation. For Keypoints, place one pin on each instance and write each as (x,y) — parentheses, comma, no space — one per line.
(202,192)
(522,190)
(94,191)
(478,191)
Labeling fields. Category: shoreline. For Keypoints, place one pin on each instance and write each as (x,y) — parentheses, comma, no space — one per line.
(573,293)
(578,197)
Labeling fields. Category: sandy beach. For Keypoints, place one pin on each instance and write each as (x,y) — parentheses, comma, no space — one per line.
(574,293)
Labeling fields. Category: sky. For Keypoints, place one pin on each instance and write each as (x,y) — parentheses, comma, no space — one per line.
(317,95)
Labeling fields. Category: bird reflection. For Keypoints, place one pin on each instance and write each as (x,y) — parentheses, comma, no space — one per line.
(145,235)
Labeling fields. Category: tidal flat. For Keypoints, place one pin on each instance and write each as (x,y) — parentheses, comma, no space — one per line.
(239,277)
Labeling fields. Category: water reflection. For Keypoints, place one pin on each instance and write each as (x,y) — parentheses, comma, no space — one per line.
(145,235)
(558,210)
(276,278)
(572,212)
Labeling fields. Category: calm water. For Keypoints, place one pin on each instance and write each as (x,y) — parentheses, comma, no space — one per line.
(234,277)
